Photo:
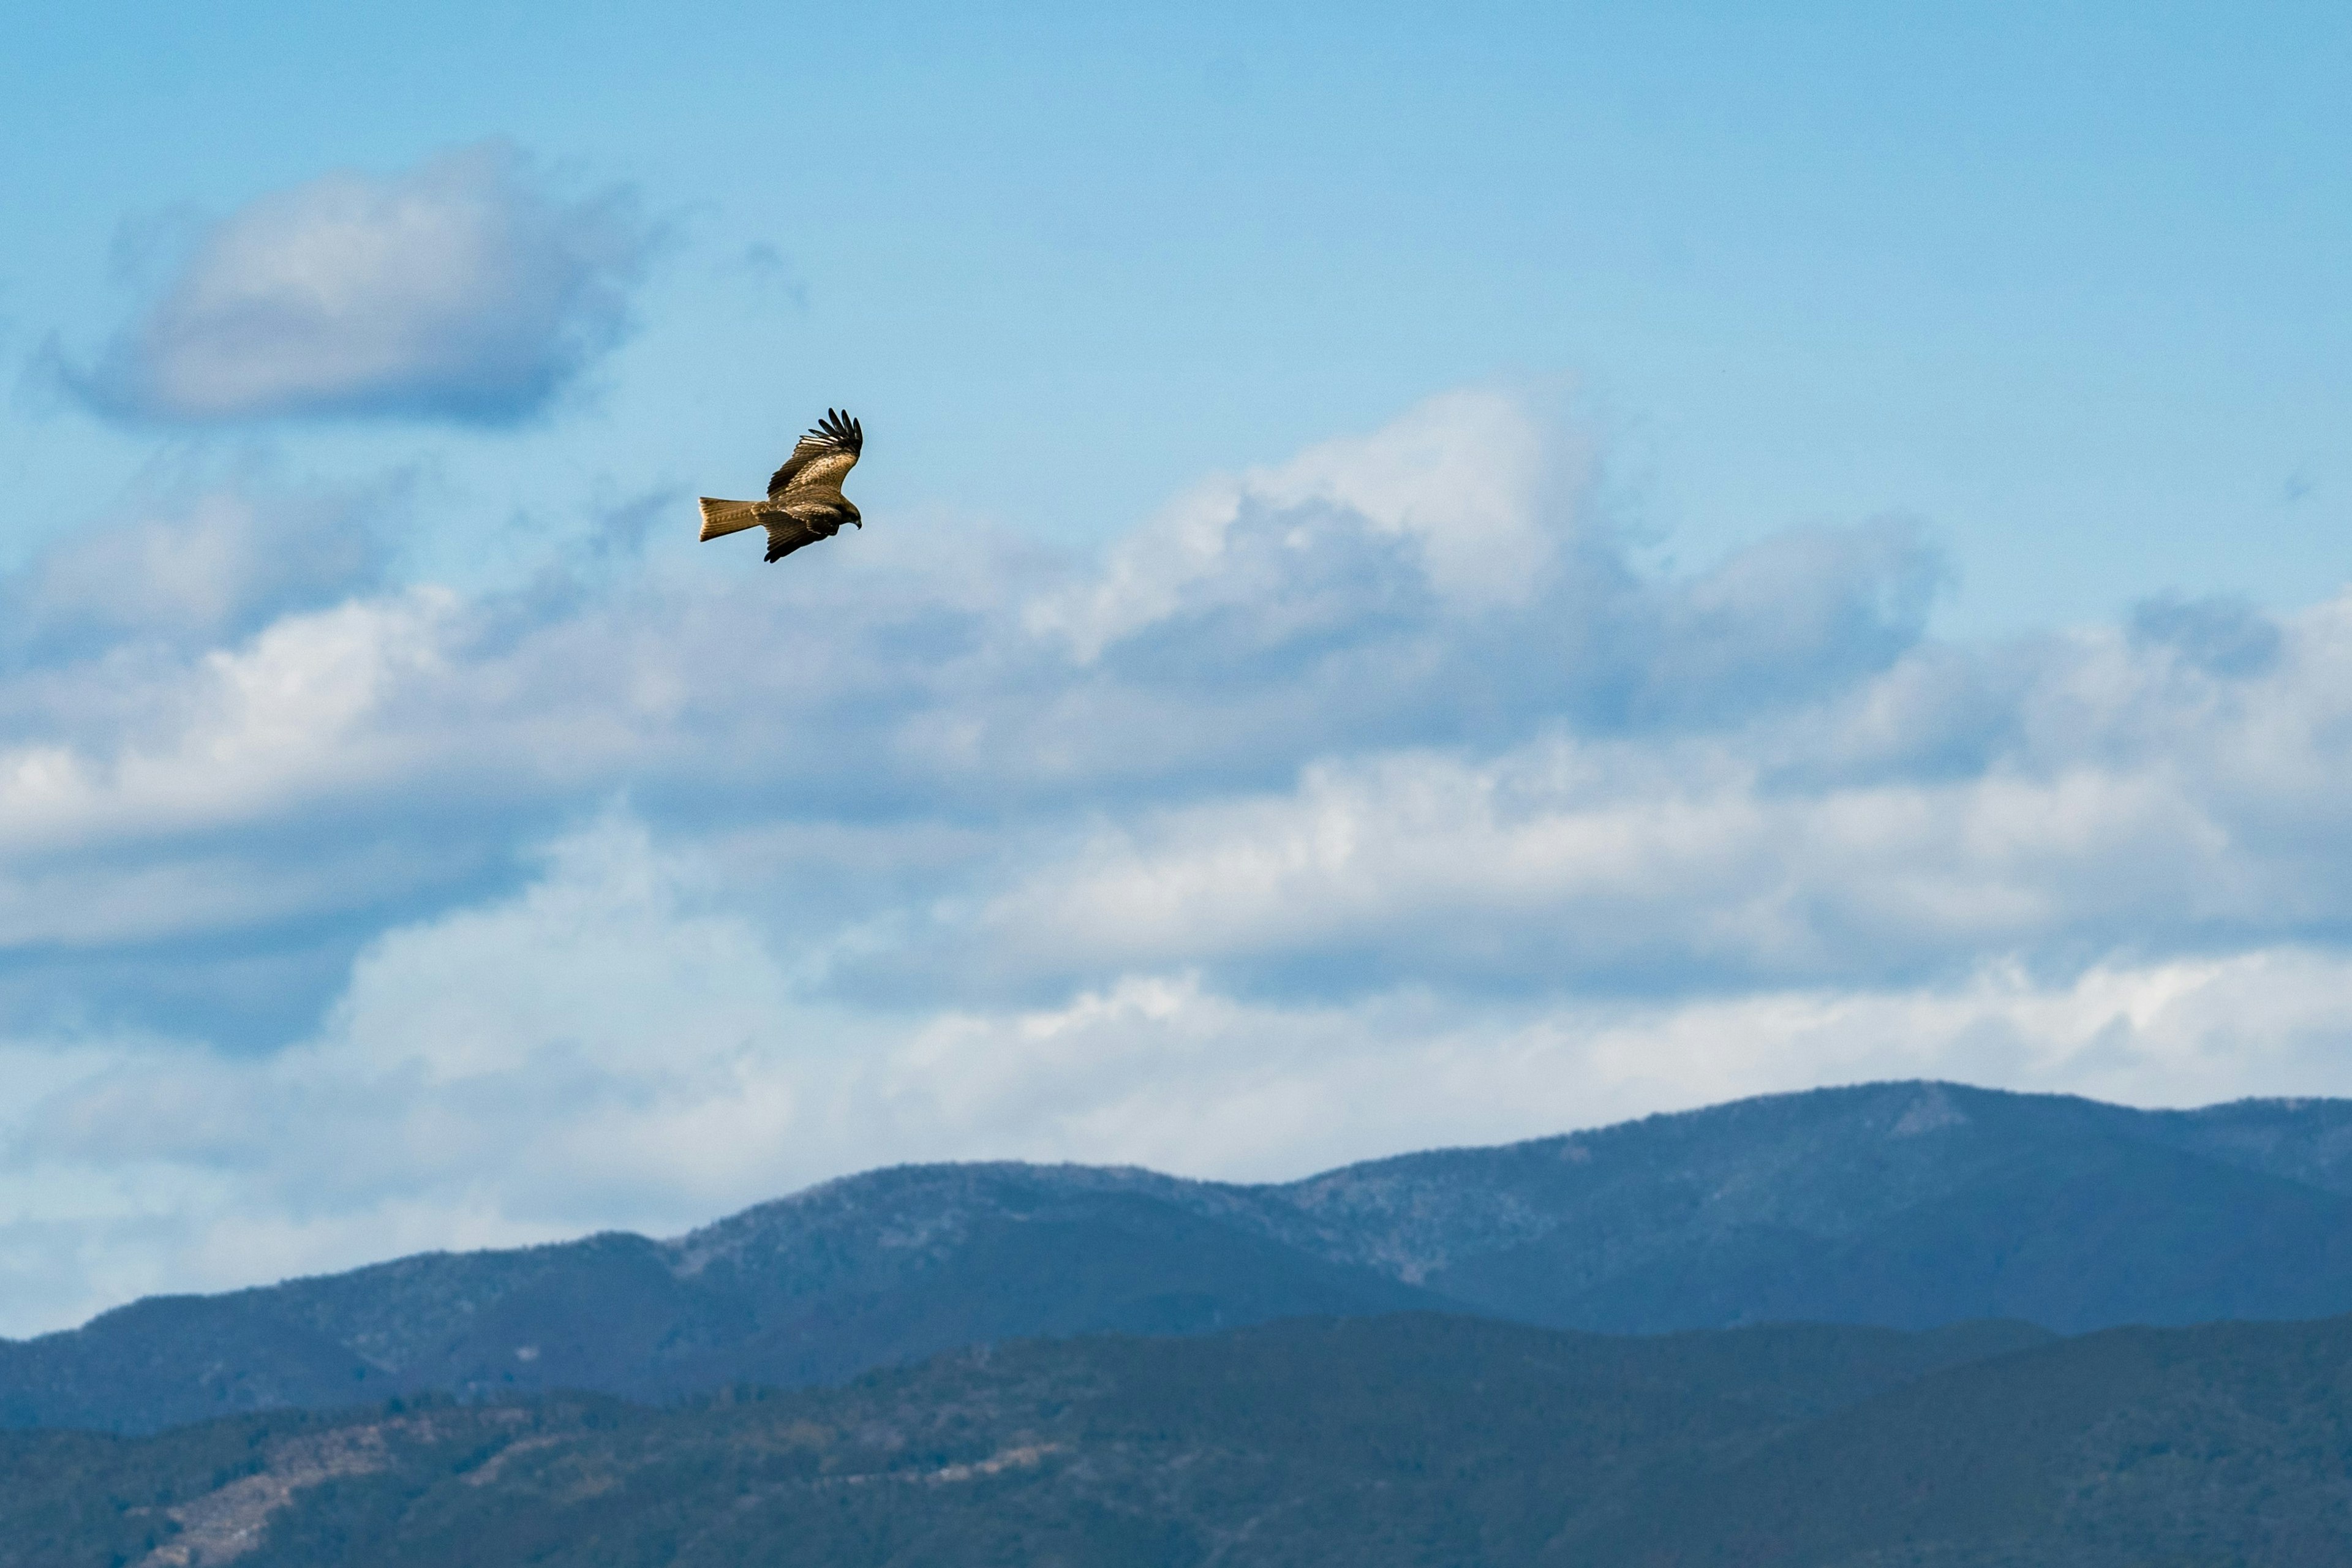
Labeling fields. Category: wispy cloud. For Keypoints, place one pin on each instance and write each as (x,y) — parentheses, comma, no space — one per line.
(1300,826)
(465,289)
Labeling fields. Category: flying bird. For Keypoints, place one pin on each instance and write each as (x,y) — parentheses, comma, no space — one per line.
(804,501)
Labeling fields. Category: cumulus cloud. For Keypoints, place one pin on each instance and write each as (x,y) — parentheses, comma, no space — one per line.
(1447,503)
(463,290)
(2219,635)
(1294,829)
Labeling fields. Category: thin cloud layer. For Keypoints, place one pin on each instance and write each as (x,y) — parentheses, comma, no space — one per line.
(1300,827)
(463,290)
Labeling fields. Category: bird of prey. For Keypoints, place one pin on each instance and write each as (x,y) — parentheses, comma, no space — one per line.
(804,501)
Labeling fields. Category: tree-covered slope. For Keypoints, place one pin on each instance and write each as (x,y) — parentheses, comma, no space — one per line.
(1366,1443)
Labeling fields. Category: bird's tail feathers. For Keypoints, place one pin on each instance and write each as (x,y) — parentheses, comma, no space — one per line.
(720,517)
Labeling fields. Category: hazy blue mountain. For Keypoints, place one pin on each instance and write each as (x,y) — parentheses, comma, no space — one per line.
(1906,1204)
(1413,1441)
(1902,1205)
(864,1272)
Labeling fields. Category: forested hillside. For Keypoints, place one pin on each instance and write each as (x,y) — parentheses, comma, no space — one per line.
(1372,1443)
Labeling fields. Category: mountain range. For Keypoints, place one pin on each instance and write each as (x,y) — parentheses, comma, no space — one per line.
(1904,1205)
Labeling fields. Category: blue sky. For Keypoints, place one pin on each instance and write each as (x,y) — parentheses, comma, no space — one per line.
(1432,577)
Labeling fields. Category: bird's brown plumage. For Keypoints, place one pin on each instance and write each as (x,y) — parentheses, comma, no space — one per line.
(804,501)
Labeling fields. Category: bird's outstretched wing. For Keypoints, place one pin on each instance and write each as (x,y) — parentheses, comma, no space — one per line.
(823,459)
(786,534)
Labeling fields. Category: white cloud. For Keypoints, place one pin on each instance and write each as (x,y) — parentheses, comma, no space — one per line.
(246,731)
(461,290)
(1619,864)
(1461,479)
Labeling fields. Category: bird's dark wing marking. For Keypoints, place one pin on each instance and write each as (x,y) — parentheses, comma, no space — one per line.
(803,521)
(788,534)
(842,430)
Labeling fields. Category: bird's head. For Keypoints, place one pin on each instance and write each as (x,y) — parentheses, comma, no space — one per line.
(854,516)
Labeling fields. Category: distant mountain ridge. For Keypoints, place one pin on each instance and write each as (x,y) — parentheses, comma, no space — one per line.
(1901,1204)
